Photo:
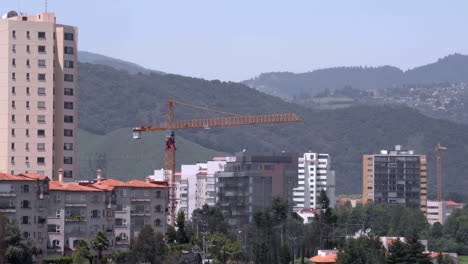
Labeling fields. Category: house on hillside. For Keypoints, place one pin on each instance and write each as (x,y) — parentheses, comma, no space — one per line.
(325,256)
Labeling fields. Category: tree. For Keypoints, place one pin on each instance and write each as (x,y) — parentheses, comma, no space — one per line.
(209,219)
(171,234)
(416,250)
(81,255)
(182,237)
(326,220)
(222,246)
(100,243)
(19,250)
(149,246)
(397,252)
(444,259)
(362,250)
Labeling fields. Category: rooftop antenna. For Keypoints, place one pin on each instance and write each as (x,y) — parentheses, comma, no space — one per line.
(45,3)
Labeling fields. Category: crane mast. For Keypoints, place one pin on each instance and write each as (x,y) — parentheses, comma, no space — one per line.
(439,149)
(172,124)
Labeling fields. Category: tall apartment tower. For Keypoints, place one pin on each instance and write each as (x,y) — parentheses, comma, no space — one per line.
(38,81)
(395,177)
(314,175)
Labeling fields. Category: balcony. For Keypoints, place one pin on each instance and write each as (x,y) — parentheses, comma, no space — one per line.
(75,205)
(140,213)
(7,209)
(8,194)
(75,218)
(140,200)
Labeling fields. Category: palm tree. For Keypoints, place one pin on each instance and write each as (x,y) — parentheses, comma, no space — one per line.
(100,243)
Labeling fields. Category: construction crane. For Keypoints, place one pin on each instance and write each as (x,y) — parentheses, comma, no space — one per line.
(438,149)
(172,124)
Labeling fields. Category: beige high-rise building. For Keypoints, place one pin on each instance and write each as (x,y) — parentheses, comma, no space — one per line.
(38,81)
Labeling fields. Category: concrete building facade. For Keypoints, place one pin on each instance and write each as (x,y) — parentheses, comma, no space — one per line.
(396,177)
(76,212)
(137,203)
(24,198)
(249,184)
(314,175)
(38,106)
(439,211)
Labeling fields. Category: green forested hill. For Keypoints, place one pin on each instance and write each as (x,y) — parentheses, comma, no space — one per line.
(111,99)
(123,158)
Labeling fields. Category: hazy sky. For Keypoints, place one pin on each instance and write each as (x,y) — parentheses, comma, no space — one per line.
(238,39)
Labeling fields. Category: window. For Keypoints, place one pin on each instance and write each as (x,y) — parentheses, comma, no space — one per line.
(68,77)
(13,62)
(25,220)
(68,91)
(68,50)
(13,118)
(27,90)
(158,194)
(41,49)
(41,105)
(68,64)
(124,193)
(13,76)
(68,105)
(28,49)
(13,146)
(68,119)
(12,160)
(157,222)
(41,132)
(67,160)
(41,63)
(25,188)
(25,204)
(41,76)
(27,118)
(27,148)
(13,104)
(13,33)
(40,146)
(68,132)
(146,193)
(27,63)
(27,132)
(41,35)
(41,91)
(27,104)
(69,36)
(157,209)
(83,198)
(67,146)
(27,76)
(13,90)
(28,35)
(12,131)
(68,174)
(13,48)
(40,160)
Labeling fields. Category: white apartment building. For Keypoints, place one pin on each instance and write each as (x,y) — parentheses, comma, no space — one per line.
(439,211)
(195,183)
(38,81)
(314,176)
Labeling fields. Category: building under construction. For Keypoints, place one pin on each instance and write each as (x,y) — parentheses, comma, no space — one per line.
(395,177)
(249,184)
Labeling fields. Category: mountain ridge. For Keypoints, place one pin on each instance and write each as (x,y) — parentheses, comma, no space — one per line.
(452,68)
